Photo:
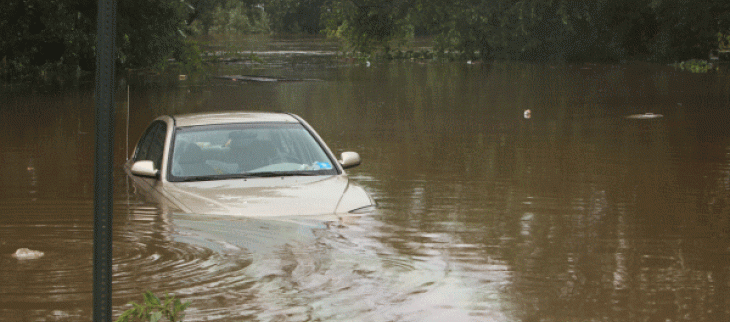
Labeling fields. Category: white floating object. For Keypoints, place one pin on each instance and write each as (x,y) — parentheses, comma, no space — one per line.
(645,116)
(527,114)
(25,253)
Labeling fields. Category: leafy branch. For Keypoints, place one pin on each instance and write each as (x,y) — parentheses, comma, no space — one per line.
(154,309)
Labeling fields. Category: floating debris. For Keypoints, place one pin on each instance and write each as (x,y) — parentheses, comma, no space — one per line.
(645,116)
(527,114)
(263,79)
(25,253)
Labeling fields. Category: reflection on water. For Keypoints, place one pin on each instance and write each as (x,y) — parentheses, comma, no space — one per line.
(577,213)
(335,273)
(291,269)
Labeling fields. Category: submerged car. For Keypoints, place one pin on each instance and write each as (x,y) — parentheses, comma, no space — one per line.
(253,164)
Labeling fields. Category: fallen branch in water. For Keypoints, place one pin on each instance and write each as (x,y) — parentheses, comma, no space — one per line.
(247,78)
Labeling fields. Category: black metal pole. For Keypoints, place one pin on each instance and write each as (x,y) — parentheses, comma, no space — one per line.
(104,159)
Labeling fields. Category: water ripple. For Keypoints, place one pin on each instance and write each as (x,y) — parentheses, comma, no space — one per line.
(233,269)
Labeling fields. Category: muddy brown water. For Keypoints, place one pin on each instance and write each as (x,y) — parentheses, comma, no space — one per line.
(575,214)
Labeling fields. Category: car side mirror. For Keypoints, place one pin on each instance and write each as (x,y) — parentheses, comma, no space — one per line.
(349,159)
(145,168)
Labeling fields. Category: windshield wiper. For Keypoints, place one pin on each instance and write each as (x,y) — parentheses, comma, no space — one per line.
(262,174)
(282,173)
(201,178)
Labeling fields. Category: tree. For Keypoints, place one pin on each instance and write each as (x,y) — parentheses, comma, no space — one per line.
(473,28)
(47,35)
(368,24)
(293,16)
(688,28)
(226,16)
(149,32)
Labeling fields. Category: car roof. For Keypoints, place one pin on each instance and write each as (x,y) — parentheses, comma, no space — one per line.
(194,119)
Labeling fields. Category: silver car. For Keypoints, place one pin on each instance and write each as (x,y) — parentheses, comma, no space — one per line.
(244,164)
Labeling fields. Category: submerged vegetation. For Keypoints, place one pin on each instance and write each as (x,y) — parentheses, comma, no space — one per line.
(696,66)
(58,35)
(153,309)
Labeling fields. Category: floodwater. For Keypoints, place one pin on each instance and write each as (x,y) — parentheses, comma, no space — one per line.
(577,213)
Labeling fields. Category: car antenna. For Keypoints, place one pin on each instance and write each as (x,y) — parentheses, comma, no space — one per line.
(126,151)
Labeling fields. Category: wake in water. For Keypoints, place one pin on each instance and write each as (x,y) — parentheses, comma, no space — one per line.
(296,269)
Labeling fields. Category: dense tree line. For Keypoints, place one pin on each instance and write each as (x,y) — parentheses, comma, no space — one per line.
(42,32)
(657,30)
(41,35)
(59,34)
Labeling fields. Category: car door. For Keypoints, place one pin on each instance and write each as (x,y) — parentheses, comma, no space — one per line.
(151,147)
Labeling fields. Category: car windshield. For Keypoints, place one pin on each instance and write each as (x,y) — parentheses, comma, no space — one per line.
(246,150)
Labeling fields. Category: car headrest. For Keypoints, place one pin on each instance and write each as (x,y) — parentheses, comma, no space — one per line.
(191,153)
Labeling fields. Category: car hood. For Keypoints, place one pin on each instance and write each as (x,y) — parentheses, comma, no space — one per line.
(266,197)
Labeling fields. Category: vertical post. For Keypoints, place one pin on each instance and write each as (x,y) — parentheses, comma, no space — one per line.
(104,159)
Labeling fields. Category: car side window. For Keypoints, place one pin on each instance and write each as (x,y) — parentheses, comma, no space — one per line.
(152,144)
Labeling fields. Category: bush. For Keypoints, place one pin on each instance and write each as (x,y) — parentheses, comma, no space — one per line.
(153,309)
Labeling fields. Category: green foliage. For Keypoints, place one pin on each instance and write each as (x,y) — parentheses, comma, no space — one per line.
(59,35)
(294,16)
(723,40)
(38,35)
(473,28)
(154,309)
(658,30)
(42,36)
(189,57)
(368,24)
(687,28)
(227,17)
(628,28)
(695,66)
(149,32)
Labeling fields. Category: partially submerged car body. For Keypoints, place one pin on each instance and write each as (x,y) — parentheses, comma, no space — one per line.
(252,164)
